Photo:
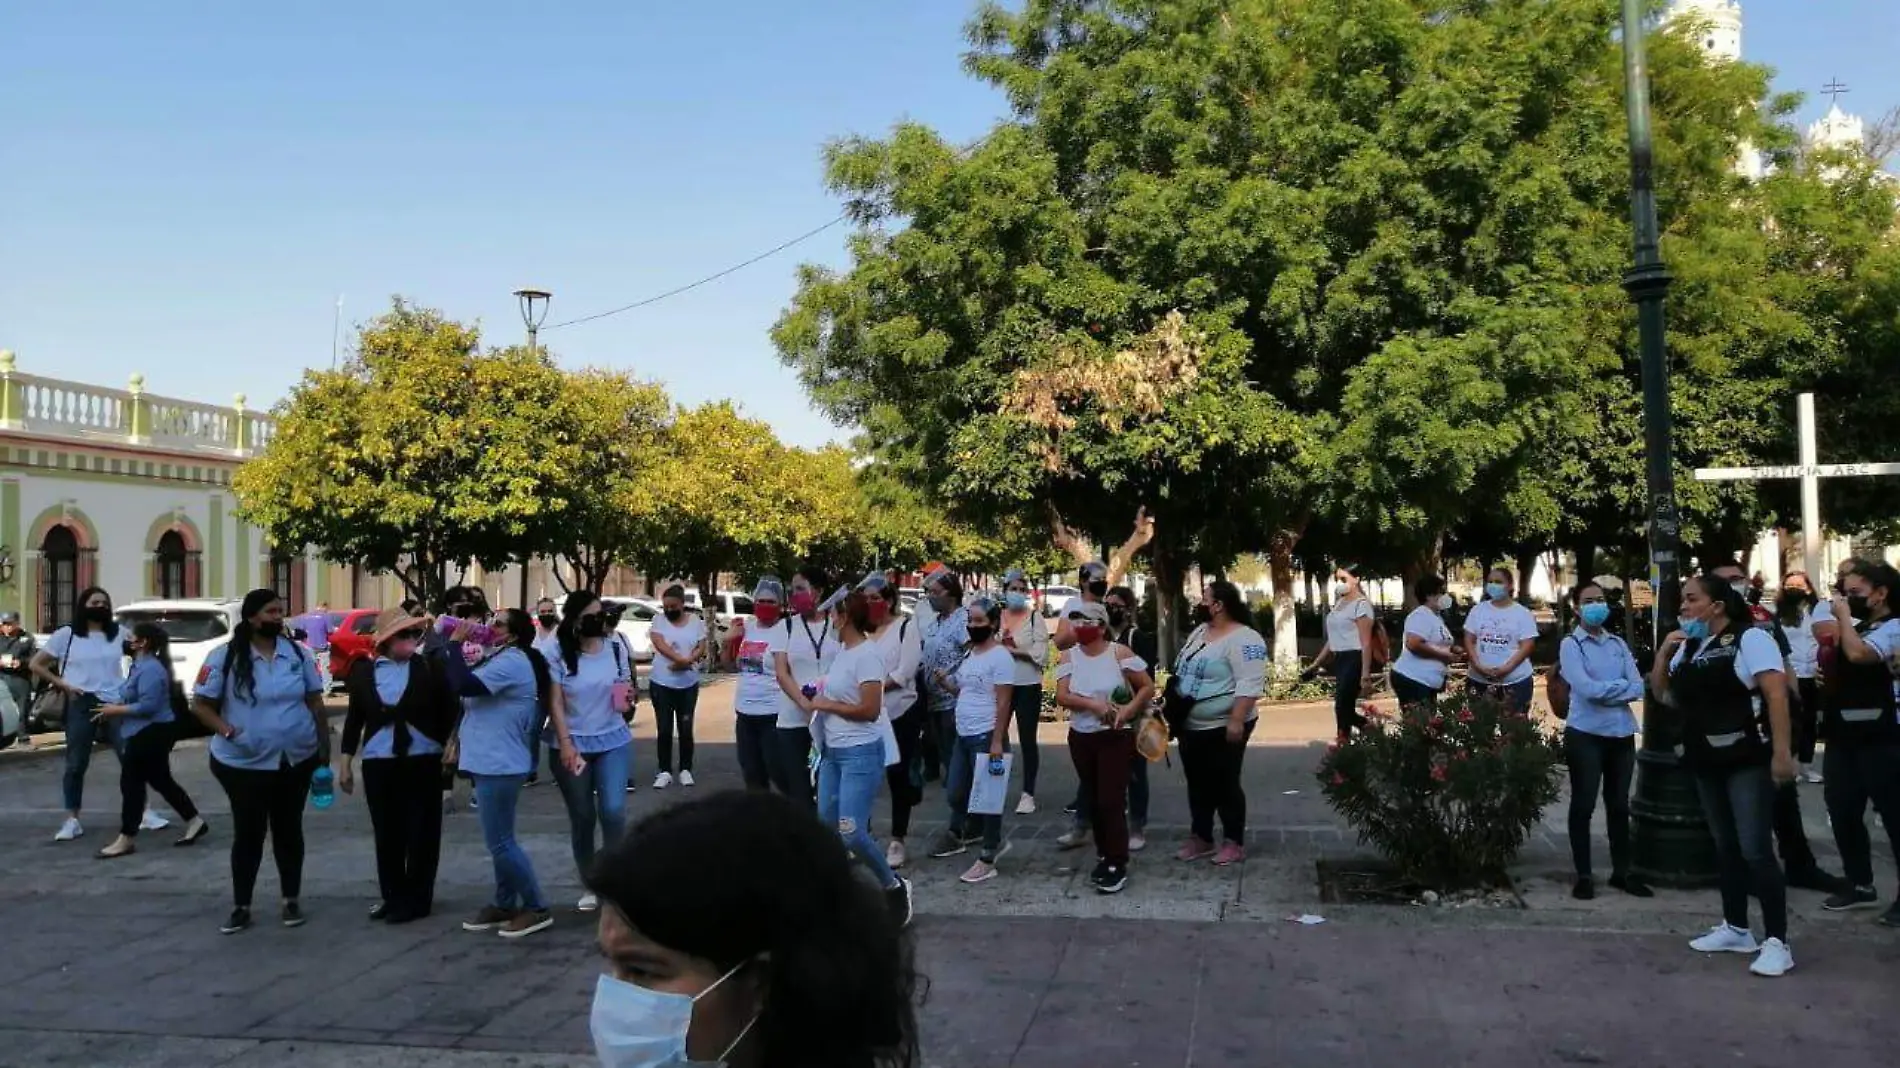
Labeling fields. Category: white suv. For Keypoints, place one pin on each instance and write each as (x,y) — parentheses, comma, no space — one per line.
(195,625)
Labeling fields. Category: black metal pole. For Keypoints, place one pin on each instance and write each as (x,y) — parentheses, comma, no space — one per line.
(1670,839)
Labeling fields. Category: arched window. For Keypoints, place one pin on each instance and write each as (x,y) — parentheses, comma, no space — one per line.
(176,569)
(286,577)
(65,569)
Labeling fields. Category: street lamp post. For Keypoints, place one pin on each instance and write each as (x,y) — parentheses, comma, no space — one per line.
(1671,845)
(534,311)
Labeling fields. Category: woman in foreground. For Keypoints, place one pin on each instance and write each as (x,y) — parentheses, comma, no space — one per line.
(736,932)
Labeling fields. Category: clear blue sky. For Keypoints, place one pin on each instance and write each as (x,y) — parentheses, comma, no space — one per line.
(188,186)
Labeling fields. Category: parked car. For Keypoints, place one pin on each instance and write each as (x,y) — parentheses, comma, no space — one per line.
(636,624)
(1056,598)
(350,634)
(196,626)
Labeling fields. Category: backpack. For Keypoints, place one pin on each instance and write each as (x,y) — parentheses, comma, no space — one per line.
(1557,688)
(1379,649)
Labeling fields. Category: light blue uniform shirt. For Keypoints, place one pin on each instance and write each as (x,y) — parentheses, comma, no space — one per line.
(497,726)
(148,692)
(1603,680)
(392,678)
(588,692)
(274,724)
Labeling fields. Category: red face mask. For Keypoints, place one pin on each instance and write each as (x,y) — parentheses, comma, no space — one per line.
(1088,635)
(804,601)
(766,611)
(880,612)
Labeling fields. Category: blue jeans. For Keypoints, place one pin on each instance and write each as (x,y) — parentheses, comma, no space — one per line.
(598,792)
(515,884)
(962,776)
(848,781)
(1739,804)
(81,735)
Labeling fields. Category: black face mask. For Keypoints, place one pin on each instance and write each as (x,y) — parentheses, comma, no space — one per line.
(549,620)
(1117,615)
(593,626)
(462,611)
(979,635)
(271,629)
(1202,615)
(1858,607)
(673,614)
(126,648)
(1098,590)
(97,613)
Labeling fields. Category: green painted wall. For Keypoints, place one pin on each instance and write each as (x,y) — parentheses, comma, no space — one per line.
(12,537)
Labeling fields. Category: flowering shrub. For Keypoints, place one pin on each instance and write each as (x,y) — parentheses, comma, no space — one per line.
(1447,794)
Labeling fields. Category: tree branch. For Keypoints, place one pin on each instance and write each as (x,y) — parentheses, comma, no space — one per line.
(1067,539)
(1144,533)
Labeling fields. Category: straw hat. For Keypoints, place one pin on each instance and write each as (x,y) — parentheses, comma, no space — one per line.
(393,621)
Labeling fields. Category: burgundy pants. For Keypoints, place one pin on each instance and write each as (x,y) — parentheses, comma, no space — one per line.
(1103,760)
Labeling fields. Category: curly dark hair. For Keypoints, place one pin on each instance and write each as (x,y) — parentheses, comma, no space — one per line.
(743,876)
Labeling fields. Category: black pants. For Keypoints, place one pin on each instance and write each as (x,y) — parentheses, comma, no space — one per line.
(1607,765)
(755,737)
(404,796)
(1856,776)
(1346,667)
(146,760)
(791,764)
(1025,704)
(906,777)
(1807,721)
(1791,835)
(674,707)
(1410,692)
(1734,801)
(1212,766)
(266,803)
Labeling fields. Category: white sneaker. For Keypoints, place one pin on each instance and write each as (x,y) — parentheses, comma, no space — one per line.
(1725,939)
(1774,960)
(663,780)
(1137,843)
(686,778)
(153,822)
(1811,775)
(896,855)
(69,830)
(1026,806)
(589,903)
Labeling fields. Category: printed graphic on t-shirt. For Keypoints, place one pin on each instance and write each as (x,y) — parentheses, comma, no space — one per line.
(753,654)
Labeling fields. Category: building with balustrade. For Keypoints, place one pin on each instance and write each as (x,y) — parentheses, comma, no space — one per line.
(132,492)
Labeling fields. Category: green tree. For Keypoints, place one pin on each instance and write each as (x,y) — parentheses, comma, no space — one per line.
(610,429)
(423,453)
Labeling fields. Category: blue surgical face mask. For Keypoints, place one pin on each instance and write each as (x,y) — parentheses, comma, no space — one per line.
(1595,614)
(1495,591)
(634,1027)
(1693,629)
(1016,599)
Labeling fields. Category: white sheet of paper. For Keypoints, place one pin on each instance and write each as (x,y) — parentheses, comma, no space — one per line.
(988,792)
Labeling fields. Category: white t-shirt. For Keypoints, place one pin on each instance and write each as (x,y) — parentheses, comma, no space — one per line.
(1803,649)
(684,637)
(1430,628)
(808,651)
(977,681)
(845,675)
(1098,677)
(1342,625)
(1497,632)
(94,663)
(901,644)
(758,692)
(1032,637)
(1758,653)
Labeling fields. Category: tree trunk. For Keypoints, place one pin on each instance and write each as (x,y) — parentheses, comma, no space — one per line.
(1526,560)
(1286,635)
(1167,597)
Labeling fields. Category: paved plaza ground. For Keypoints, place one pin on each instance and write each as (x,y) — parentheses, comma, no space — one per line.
(120,963)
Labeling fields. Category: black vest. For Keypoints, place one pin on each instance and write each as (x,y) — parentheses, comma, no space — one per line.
(1720,726)
(1860,703)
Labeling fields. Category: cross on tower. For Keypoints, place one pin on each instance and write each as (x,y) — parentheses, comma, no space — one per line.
(1834,89)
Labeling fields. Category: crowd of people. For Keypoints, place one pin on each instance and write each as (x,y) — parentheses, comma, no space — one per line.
(842,696)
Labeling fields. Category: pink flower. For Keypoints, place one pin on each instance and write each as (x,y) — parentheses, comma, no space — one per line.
(1465,715)
(1338,779)
(1439,773)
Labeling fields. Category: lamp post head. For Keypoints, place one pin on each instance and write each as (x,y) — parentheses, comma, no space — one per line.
(534,306)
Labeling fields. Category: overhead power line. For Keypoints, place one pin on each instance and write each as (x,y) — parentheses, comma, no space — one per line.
(714,277)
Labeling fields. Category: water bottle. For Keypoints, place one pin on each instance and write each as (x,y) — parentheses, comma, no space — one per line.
(479,633)
(810,690)
(1122,695)
(323,788)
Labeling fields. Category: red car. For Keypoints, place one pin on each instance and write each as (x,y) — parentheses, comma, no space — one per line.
(350,634)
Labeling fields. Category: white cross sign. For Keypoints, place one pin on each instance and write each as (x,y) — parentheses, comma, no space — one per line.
(1810,471)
